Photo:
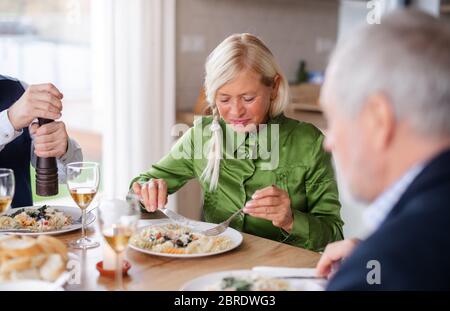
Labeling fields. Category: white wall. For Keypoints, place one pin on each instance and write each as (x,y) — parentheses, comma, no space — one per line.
(293,30)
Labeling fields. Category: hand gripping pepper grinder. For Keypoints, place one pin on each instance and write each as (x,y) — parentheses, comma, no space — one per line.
(46,172)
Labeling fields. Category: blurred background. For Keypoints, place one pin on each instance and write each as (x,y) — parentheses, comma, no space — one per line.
(130,70)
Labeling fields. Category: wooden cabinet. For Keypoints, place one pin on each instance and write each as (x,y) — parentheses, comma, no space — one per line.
(304,104)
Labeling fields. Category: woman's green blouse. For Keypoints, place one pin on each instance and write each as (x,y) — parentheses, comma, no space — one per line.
(286,153)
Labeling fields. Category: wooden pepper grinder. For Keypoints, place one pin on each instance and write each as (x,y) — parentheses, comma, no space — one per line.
(46,172)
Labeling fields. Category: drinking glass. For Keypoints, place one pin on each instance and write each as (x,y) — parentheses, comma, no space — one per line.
(7,185)
(82,180)
(117,221)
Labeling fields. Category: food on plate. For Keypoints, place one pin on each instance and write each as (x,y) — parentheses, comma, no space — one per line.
(43,258)
(40,219)
(252,282)
(176,239)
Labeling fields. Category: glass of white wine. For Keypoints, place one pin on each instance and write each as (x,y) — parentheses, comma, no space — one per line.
(7,185)
(118,220)
(82,180)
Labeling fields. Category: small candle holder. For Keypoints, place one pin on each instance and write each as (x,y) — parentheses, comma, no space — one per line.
(112,273)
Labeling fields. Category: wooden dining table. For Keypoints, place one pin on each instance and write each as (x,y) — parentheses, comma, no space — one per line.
(153,273)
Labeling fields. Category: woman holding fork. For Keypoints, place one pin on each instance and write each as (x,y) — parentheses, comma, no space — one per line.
(249,154)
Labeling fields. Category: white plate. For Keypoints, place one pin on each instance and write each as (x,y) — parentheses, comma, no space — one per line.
(72,211)
(234,235)
(35,285)
(29,285)
(203,282)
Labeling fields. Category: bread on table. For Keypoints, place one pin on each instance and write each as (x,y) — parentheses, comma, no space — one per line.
(25,246)
(52,245)
(43,258)
(52,268)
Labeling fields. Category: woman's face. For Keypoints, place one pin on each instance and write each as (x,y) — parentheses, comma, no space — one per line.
(244,102)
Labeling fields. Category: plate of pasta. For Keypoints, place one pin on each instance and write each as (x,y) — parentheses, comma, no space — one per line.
(39,220)
(249,280)
(169,239)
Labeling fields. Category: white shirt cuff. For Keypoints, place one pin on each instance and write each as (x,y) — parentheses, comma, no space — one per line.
(7,131)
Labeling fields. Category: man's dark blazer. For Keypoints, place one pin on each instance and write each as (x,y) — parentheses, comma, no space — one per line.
(412,245)
(17,154)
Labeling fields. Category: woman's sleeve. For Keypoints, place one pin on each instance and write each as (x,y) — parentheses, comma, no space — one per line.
(322,223)
(176,168)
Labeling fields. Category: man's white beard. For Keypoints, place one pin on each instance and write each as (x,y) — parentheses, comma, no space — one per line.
(352,208)
(345,194)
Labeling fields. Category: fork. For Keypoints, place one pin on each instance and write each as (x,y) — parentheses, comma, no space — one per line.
(222,226)
(80,219)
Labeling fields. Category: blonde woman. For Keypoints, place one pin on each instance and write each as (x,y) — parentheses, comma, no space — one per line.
(256,157)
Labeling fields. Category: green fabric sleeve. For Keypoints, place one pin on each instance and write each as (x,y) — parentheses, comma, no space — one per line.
(322,224)
(176,168)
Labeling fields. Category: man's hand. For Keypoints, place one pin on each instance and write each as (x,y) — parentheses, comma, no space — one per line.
(334,252)
(50,140)
(38,101)
(272,203)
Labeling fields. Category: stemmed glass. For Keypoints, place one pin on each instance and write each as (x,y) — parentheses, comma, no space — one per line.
(118,220)
(7,185)
(82,180)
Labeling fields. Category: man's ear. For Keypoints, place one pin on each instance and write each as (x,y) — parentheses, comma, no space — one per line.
(379,118)
(276,85)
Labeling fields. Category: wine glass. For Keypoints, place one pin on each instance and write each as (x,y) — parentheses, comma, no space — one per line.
(82,180)
(7,185)
(118,220)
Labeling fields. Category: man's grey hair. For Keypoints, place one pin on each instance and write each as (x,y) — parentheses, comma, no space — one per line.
(407,59)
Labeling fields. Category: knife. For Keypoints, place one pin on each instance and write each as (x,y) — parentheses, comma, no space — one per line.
(289,273)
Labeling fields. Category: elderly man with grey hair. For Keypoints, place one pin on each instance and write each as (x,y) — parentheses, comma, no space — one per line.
(387,100)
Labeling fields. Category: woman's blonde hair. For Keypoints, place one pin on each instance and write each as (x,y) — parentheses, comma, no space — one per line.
(231,56)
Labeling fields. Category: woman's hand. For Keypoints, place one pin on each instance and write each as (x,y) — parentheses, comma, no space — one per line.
(273,204)
(153,193)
